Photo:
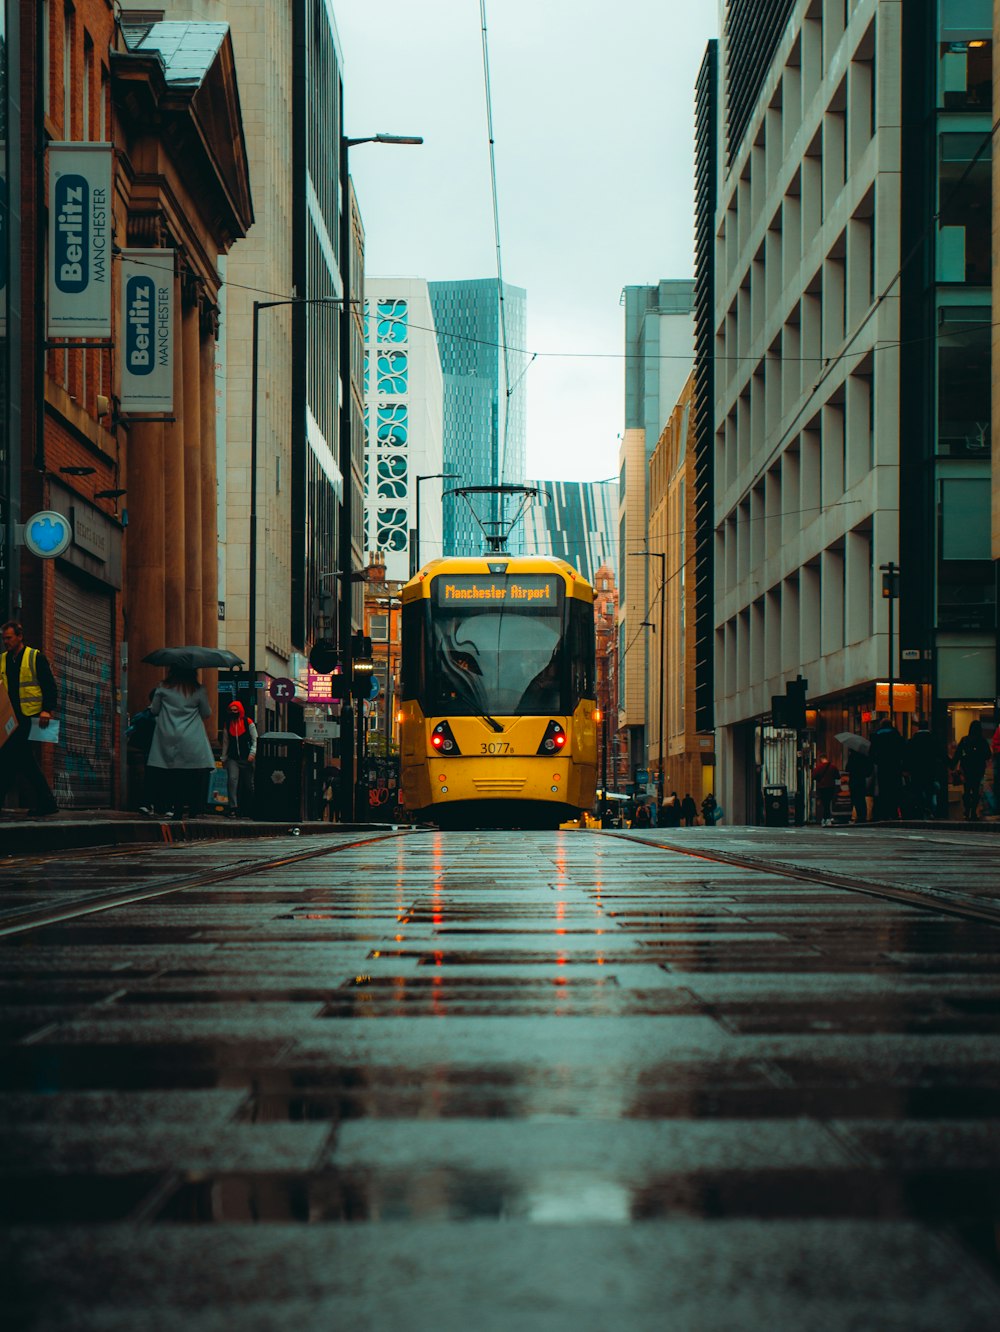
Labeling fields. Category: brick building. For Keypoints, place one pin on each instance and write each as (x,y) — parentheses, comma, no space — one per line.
(160,105)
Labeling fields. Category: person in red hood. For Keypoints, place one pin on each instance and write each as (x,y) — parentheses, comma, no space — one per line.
(239,748)
(826,775)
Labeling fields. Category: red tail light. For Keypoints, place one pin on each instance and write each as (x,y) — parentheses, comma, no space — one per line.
(443,741)
(553,740)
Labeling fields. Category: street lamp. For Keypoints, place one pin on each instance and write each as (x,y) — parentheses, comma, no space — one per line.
(657,555)
(254,378)
(345,552)
(415,534)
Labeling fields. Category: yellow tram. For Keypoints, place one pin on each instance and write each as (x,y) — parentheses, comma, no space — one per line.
(498,715)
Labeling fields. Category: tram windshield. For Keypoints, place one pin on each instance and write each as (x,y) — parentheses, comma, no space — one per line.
(496,645)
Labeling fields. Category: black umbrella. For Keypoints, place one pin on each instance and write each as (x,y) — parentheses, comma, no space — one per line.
(192,658)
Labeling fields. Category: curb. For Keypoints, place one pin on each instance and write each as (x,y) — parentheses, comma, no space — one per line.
(31,837)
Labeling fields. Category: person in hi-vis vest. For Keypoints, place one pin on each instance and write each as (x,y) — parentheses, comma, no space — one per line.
(31,686)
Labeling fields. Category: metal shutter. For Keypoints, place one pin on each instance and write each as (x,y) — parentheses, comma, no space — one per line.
(84,649)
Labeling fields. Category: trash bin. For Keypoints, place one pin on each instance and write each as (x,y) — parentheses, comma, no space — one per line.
(776,806)
(288,778)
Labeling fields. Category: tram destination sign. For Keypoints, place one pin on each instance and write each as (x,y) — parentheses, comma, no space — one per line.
(480,590)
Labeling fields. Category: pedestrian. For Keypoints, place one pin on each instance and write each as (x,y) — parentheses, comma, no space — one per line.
(710,810)
(139,738)
(826,775)
(642,817)
(886,755)
(971,758)
(922,760)
(181,753)
(689,810)
(859,770)
(31,688)
(671,812)
(239,749)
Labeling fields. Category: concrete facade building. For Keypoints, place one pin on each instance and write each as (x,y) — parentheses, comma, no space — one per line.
(290,65)
(484,426)
(404,425)
(835,230)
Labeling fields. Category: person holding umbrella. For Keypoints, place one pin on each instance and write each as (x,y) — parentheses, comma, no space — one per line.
(180,757)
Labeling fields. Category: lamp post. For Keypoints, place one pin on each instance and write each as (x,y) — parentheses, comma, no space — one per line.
(345,551)
(657,555)
(890,591)
(415,534)
(254,377)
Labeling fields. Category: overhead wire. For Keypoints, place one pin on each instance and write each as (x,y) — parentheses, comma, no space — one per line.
(496,232)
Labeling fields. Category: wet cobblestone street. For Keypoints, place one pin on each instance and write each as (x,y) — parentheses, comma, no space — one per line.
(503,1080)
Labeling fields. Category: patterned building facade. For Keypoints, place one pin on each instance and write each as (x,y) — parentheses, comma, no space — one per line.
(403,425)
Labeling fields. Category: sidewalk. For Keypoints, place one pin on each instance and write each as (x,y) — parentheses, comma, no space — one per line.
(80,828)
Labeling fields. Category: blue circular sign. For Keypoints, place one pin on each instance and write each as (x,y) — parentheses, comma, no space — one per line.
(47,534)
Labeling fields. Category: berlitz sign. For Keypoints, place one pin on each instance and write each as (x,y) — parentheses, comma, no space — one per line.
(79,304)
(148,326)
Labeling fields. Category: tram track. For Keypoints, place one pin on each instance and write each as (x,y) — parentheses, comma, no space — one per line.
(921,899)
(29,920)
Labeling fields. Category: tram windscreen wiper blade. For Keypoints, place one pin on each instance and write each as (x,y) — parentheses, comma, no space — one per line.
(491,721)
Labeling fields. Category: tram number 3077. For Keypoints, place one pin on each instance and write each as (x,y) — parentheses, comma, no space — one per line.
(498,716)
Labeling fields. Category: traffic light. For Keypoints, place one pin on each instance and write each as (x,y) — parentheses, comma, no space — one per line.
(795,703)
(361,653)
(338,685)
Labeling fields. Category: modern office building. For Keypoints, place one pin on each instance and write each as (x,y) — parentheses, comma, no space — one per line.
(852,371)
(290,66)
(576,520)
(659,352)
(403,425)
(481,341)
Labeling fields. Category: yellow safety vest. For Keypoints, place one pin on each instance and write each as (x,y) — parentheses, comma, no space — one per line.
(29,689)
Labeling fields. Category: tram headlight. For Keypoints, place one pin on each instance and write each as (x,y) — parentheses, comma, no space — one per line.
(553,740)
(443,741)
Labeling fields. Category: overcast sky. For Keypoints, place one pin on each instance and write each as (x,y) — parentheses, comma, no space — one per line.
(593,118)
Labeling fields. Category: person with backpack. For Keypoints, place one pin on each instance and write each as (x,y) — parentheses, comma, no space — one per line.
(971,757)
(139,738)
(642,816)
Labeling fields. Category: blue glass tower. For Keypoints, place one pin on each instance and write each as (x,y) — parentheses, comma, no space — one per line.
(484,431)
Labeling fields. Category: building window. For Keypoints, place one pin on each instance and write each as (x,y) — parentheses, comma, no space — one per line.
(964,381)
(965,202)
(378,628)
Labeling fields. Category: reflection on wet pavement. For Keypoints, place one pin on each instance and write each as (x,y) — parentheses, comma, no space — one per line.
(567,1036)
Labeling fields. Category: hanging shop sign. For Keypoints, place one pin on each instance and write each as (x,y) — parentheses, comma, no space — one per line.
(147,337)
(79,304)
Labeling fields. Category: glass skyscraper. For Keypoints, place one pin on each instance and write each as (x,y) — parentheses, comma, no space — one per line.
(484,429)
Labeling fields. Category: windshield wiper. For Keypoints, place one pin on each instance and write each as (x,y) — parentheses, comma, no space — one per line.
(491,721)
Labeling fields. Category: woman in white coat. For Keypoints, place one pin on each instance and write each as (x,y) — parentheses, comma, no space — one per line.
(181,754)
